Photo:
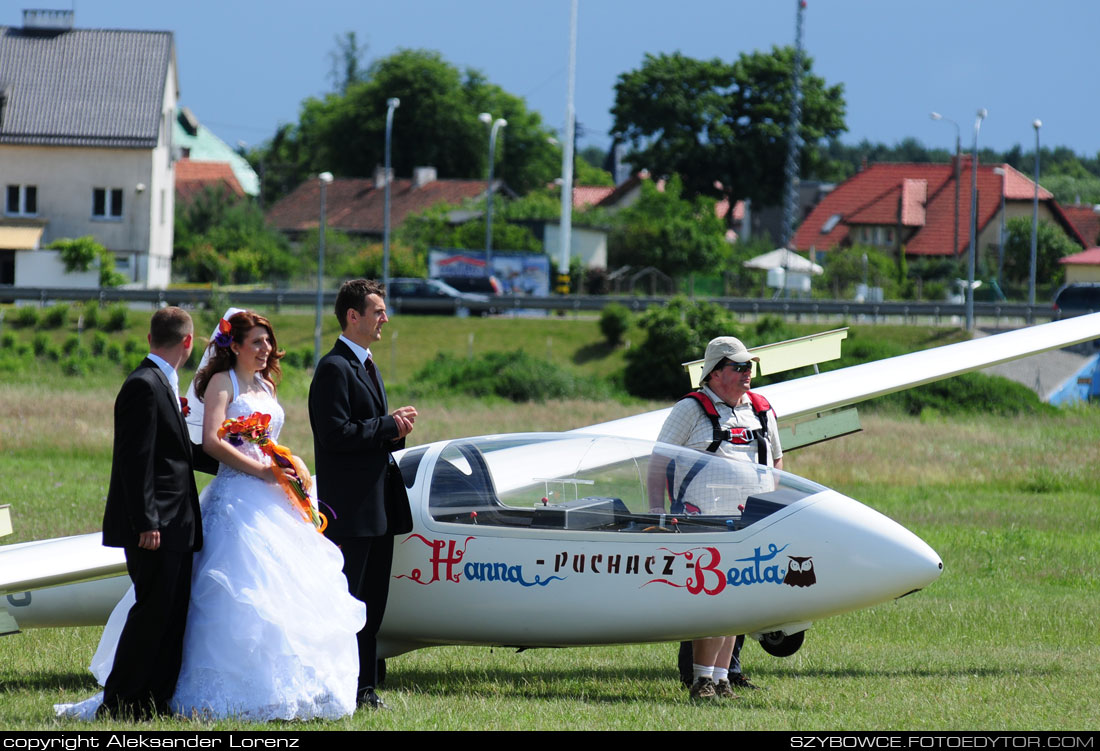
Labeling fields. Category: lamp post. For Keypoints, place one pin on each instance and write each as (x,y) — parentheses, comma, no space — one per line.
(1034,219)
(1001,242)
(497,124)
(324,179)
(938,116)
(973,221)
(391,104)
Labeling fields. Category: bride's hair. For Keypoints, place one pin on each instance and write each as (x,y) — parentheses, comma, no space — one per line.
(222,358)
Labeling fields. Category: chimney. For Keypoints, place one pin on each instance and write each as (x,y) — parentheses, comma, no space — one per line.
(48,20)
(423,176)
(380,176)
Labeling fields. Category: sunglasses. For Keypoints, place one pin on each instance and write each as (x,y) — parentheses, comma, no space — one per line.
(740,367)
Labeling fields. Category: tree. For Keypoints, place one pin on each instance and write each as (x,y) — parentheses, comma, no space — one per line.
(1051,244)
(712,121)
(82,253)
(856,265)
(437,124)
(222,238)
(668,231)
(347,62)
(675,333)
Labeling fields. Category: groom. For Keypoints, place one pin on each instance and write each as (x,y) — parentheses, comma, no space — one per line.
(153,514)
(352,438)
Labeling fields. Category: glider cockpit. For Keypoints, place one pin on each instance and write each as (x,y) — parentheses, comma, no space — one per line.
(598,483)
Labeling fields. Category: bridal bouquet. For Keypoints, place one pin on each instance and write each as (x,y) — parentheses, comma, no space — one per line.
(254,429)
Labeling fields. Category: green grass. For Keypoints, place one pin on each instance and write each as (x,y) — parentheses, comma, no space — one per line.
(1006,639)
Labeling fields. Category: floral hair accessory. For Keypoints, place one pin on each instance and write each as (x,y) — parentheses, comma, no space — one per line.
(184,408)
(224,336)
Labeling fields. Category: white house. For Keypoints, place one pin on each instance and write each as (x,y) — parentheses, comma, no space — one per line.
(86,119)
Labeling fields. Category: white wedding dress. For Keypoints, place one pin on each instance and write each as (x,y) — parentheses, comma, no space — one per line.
(271,626)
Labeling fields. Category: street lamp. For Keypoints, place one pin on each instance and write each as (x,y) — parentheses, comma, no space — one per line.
(324,179)
(497,124)
(973,221)
(938,116)
(1034,220)
(391,104)
(1001,243)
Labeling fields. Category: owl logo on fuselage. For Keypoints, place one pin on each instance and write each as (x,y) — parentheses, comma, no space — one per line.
(800,572)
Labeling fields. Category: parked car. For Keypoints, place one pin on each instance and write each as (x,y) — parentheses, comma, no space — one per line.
(1077,299)
(408,295)
(485,285)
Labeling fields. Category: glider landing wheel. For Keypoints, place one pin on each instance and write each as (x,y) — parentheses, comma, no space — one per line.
(778,645)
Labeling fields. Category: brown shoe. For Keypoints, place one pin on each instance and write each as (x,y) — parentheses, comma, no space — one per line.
(703,689)
(723,690)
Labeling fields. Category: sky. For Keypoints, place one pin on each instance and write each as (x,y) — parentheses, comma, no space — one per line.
(246,65)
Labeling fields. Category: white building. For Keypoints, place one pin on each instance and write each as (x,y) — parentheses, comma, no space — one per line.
(86,118)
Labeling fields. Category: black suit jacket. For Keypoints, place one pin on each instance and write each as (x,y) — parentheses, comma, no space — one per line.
(353,435)
(152,479)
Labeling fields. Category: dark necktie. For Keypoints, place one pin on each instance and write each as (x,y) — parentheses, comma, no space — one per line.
(373,373)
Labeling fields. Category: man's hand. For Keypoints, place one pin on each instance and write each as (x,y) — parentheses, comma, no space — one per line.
(149,540)
(404,417)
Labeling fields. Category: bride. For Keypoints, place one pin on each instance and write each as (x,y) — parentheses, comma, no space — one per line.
(271,626)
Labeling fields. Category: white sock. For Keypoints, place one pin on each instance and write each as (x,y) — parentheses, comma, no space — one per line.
(720,674)
(702,671)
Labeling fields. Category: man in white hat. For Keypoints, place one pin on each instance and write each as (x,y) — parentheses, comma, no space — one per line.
(710,419)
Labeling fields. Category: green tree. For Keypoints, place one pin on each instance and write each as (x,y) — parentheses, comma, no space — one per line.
(675,333)
(858,264)
(1051,244)
(665,230)
(712,121)
(437,124)
(346,61)
(82,253)
(221,238)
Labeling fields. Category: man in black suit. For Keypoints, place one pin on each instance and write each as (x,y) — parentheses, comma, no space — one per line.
(357,477)
(153,514)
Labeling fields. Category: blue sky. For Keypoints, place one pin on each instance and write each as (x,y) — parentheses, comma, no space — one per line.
(245,65)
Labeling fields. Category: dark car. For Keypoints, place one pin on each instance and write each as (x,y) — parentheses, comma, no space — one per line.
(407,295)
(1077,299)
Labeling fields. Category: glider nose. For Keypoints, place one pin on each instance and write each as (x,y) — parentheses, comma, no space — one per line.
(883,557)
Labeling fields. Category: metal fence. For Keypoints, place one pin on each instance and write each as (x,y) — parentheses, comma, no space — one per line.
(811,309)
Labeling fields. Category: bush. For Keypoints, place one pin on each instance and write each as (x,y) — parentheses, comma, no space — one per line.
(71,344)
(614,322)
(26,317)
(40,343)
(512,375)
(99,343)
(74,366)
(7,340)
(55,316)
(117,318)
(113,352)
(675,333)
(132,345)
(91,314)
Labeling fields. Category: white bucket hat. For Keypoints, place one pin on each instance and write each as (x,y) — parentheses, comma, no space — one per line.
(724,348)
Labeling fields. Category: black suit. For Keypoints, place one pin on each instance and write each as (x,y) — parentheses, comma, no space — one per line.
(152,488)
(353,435)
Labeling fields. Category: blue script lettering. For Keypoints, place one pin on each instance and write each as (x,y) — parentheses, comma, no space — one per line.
(492,572)
(753,574)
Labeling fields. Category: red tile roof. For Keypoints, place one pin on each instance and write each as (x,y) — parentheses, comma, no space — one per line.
(590,195)
(193,177)
(355,205)
(1086,220)
(925,195)
(1090,257)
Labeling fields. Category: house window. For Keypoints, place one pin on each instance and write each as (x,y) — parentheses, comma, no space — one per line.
(107,203)
(22,200)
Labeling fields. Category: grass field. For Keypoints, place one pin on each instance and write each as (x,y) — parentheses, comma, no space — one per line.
(1006,639)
